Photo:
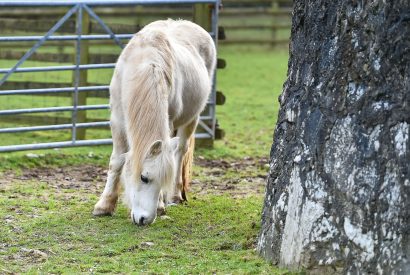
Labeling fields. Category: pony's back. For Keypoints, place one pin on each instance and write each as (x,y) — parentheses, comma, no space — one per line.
(188,34)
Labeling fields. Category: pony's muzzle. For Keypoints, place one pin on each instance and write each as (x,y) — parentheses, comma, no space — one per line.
(138,221)
(141,220)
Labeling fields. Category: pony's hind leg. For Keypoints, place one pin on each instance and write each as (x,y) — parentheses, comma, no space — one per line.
(161,205)
(186,169)
(108,200)
(184,159)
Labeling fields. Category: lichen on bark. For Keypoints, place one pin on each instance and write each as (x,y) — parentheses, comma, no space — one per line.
(338,193)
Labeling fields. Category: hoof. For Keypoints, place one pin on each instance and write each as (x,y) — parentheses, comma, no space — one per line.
(103,210)
(178,199)
(183,195)
(161,211)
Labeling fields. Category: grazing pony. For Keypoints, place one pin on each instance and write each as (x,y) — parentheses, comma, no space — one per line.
(160,85)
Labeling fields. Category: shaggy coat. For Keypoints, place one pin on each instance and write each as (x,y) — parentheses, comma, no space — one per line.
(160,85)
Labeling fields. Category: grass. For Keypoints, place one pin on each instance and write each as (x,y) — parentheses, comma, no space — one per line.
(49,229)
(251,83)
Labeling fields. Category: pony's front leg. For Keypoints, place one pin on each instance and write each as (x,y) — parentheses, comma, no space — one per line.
(108,200)
(184,159)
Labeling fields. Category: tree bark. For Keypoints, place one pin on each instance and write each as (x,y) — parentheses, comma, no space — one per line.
(338,193)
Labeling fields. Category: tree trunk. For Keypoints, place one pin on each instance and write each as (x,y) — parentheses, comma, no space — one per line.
(337,198)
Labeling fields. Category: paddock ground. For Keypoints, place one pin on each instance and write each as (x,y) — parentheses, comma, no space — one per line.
(241,178)
(48,225)
(46,197)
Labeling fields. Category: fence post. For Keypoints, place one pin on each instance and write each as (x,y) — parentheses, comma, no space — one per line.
(202,16)
(274,8)
(139,22)
(84,59)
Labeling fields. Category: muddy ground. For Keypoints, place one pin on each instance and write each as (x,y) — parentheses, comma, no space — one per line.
(239,178)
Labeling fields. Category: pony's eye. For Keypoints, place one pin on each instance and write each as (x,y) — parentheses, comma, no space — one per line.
(144,179)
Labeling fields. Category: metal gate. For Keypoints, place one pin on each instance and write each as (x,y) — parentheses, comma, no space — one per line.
(80,9)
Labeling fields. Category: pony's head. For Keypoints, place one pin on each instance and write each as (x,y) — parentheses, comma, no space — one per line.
(156,174)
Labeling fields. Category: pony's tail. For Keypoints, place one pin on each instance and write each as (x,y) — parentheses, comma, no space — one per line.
(187,166)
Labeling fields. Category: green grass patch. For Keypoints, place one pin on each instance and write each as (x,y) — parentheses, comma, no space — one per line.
(51,230)
(251,82)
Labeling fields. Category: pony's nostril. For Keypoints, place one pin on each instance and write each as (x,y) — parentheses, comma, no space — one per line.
(141,221)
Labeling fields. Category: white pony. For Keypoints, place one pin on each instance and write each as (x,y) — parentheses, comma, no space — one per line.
(160,85)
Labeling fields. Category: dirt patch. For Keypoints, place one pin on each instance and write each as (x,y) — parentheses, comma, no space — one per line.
(29,255)
(84,177)
(238,178)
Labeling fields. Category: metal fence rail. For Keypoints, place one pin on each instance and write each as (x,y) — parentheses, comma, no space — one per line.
(54,3)
(79,8)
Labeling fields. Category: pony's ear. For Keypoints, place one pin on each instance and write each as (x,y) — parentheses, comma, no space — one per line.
(174,144)
(155,149)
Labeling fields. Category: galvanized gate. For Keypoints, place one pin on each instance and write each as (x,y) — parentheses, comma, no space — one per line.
(80,9)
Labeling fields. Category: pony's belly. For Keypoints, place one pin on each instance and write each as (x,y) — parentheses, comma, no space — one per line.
(181,119)
(187,110)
